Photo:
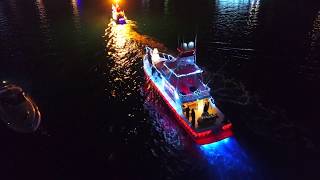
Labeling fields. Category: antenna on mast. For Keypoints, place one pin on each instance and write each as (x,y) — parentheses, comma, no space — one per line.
(195,41)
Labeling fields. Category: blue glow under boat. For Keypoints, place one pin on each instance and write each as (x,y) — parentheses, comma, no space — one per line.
(179,82)
(118,15)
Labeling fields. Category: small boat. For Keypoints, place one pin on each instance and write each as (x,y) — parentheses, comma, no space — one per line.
(118,14)
(178,80)
(17,110)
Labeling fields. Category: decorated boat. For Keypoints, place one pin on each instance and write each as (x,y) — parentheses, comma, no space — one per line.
(178,80)
(118,14)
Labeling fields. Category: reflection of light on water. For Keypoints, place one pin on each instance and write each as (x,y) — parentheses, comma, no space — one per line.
(121,35)
(315,33)
(44,23)
(42,14)
(310,69)
(123,50)
(232,3)
(125,47)
(316,27)
(234,16)
(254,10)
(227,157)
(234,8)
(75,12)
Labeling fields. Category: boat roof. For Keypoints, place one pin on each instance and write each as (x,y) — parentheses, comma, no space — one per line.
(183,66)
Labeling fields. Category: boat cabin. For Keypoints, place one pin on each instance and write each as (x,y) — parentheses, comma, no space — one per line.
(183,75)
(185,83)
(179,80)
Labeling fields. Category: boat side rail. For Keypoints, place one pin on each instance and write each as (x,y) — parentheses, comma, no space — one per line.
(162,55)
(152,66)
(166,56)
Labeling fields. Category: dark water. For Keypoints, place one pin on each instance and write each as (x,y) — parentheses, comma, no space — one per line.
(102,120)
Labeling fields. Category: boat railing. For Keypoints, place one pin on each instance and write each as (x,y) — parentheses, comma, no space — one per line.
(166,56)
(161,55)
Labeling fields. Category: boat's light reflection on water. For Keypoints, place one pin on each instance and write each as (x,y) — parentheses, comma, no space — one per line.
(76,13)
(228,157)
(124,48)
(123,53)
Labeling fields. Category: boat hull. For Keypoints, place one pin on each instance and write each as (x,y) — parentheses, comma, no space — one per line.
(203,137)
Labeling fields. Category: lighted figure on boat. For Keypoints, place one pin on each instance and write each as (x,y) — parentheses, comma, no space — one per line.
(179,82)
(118,14)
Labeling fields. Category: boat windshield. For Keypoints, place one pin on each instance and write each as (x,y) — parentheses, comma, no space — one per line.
(189,84)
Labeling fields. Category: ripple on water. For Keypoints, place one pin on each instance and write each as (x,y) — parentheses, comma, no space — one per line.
(311,69)
(123,67)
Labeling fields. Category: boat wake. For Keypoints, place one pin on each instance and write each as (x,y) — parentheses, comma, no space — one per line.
(229,160)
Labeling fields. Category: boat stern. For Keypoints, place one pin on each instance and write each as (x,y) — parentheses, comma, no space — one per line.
(214,137)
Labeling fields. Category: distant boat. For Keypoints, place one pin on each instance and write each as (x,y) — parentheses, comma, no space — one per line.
(178,81)
(17,110)
(118,14)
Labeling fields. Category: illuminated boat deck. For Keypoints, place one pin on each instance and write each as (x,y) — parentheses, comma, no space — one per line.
(200,135)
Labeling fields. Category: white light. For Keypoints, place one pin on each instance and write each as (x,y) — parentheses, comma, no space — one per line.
(176,95)
(185,46)
(191,45)
(194,72)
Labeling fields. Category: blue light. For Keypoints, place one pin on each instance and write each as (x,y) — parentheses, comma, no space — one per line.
(228,159)
(78,2)
(209,148)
